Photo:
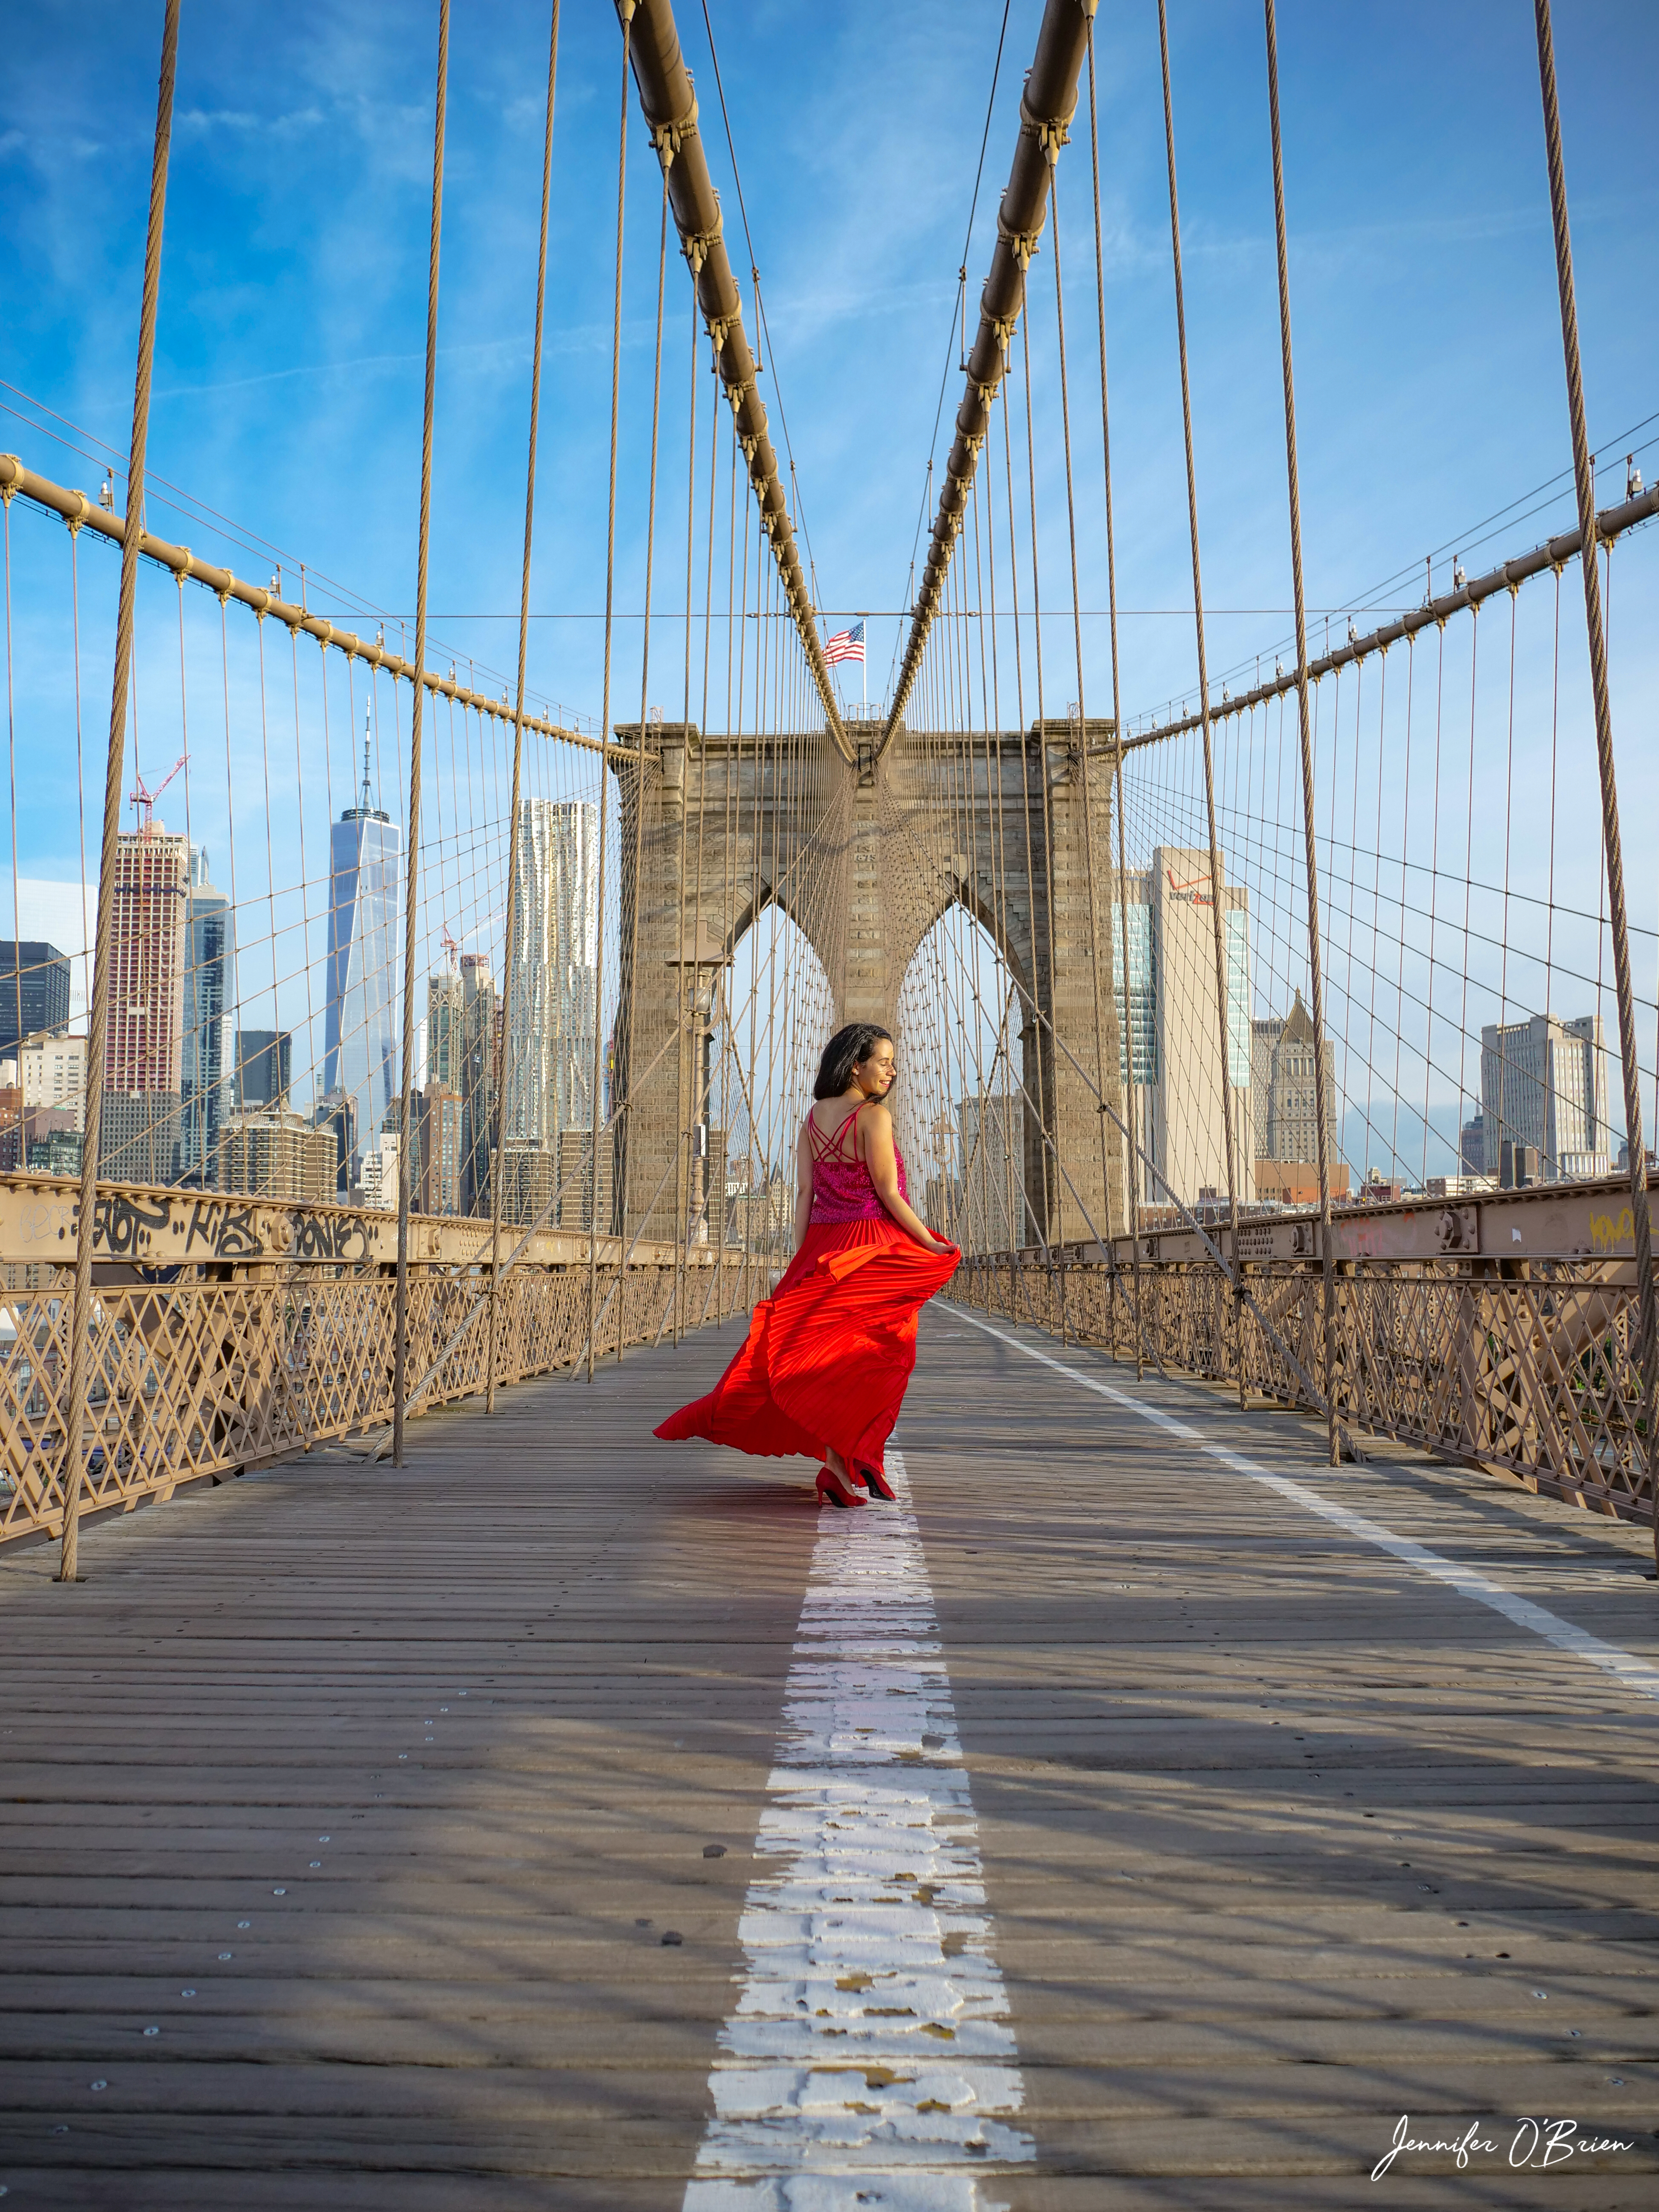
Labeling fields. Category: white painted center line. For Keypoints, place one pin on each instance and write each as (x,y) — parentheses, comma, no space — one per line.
(869,2060)
(1639,1674)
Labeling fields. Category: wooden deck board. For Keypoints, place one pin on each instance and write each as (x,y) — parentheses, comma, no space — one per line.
(1260,1809)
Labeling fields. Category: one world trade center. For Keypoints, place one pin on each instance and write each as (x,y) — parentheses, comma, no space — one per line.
(360,1065)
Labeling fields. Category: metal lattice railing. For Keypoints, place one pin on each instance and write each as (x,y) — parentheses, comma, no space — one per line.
(1537,1379)
(208,1379)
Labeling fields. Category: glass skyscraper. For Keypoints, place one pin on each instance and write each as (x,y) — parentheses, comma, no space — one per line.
(1168,1031)
(209,952)
(553,989)
(360,1058)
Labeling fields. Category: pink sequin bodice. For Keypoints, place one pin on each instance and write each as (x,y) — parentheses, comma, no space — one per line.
(841,1188)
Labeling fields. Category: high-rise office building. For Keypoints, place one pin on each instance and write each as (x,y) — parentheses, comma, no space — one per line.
(144,1036)
(275,1154)
(54,1076)
(762,1219)
(1544,1088)
(1472,1146)
(14,1138)
(582,1208)
(530,1182)
(205,1079)
(552,996)
(360,1037)
(1283,1109)
(477,1085)
(34,989)
(378,1186)
(336,1114)
(138,1136)
(438,1117)
(1170,1034)
(265,1069)
(993,1216)
(53,1148)
(445,1043)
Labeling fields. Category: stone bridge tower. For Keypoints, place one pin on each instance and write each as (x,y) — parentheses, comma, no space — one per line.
(864,858)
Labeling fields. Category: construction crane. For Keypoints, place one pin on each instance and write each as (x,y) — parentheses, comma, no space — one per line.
(142,799)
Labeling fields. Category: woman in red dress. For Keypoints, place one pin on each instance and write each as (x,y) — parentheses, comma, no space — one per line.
(824,1371)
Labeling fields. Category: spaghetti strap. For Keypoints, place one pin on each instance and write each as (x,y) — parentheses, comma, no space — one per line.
(825,1149)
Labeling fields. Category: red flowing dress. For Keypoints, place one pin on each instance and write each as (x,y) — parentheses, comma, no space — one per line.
(828,1355)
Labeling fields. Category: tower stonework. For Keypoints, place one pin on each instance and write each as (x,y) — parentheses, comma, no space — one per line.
(995,823)
(866,857)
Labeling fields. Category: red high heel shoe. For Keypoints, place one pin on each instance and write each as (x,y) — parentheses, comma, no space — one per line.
(874,1481)
(832,1491)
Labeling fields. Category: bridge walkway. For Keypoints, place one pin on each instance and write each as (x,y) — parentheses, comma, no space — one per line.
(381,1839)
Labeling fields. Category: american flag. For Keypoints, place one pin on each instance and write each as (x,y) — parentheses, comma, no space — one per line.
(844,645)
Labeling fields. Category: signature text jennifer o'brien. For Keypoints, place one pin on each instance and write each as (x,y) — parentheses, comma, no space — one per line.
(1535,2143)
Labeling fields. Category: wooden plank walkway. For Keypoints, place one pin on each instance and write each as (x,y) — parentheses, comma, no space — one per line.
(349,1814)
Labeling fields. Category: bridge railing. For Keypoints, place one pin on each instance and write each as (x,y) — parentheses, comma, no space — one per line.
(210,1366)
(1536,1379)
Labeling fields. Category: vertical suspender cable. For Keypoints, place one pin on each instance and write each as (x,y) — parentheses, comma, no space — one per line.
(504,1048)
(1047,1066)
(625,10)
(685,1077)
(74,1467)
(1127,1040)
(1082,719)
(624,1141)
(1315,977)
(412,894)
(11,769)
(1585,479)
(1203,679)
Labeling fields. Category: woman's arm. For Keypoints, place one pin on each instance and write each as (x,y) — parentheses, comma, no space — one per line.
(876,1142)
(802,1187)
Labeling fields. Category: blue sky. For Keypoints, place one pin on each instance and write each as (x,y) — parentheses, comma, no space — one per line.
(292,318)
(291,315)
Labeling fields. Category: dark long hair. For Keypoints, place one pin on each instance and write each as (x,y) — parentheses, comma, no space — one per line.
(845,1051)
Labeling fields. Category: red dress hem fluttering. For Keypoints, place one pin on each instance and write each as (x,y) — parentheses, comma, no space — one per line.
(829,1354)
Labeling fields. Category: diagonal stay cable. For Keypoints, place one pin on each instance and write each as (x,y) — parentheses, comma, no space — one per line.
(510,950)
(760,304)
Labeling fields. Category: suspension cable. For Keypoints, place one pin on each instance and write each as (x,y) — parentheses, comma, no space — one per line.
(411,895)
(625,10)
(75,1464)
(1221,970)
(1127,1028)
(1613,849)
(1315,969)
(510,948)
